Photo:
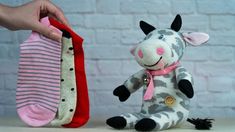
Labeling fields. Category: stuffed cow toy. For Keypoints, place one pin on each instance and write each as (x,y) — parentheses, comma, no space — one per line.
(167,86)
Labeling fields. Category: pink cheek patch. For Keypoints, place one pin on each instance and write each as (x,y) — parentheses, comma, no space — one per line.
(140,54)
(160,51)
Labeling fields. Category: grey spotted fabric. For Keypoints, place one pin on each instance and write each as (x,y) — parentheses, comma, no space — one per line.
(169,106)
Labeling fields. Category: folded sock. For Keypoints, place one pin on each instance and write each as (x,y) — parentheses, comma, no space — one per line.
(38,85)
(81,115)
(68,91)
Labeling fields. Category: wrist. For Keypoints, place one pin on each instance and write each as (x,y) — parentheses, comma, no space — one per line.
(5,13)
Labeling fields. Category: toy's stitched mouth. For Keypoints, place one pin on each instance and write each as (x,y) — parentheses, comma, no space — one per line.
(154,63)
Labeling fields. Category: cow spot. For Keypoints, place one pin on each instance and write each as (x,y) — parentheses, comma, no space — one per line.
(136,82)
(181,45)
(177,49)
(173,79)
(181,95)
(166,125)
(164,32)
(155,108)
(185,101)
(164,113)
(182,69)
(180,116)
(163,95)
(181,76)
(157,115)
(172,54)
(185,104)
(159,83)
(144,90)
(180,42)
(138,115)
(143,111)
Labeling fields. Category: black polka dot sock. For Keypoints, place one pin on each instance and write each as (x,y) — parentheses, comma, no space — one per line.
(68,99)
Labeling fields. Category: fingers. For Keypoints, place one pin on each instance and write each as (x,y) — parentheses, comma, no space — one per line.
(55,12)
(46,31)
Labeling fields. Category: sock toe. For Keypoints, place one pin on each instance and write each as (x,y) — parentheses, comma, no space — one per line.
(35,115)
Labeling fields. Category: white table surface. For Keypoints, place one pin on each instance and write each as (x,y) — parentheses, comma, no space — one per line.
(98,125)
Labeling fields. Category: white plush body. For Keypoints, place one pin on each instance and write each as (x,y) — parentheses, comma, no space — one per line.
(165,87)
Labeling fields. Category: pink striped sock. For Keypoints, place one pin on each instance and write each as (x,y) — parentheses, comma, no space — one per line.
(38,86)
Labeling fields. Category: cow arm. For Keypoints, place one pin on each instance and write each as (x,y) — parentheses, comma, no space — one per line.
(131,85)
(135,82)
(185,81)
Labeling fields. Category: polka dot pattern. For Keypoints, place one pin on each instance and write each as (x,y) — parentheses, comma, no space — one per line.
(68,83)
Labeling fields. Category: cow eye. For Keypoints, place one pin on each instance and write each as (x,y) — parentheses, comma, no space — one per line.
(161,36)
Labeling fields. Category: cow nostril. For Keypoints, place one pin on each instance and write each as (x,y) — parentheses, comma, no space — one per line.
(160,51)
(140,54)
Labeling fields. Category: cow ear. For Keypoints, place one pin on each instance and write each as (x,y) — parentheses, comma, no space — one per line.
(146,28)
(195,38)
(132,50)
(177,23)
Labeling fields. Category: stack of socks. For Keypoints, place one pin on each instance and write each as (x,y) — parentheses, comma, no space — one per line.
(51,87)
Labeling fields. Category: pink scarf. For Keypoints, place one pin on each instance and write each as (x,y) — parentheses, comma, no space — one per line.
(150,89)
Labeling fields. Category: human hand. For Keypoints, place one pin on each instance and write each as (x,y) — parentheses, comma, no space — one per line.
(27,16)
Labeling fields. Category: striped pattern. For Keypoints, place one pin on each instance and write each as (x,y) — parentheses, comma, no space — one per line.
(39,74)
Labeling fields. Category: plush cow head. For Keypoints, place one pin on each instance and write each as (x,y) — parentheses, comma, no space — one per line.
(163,47)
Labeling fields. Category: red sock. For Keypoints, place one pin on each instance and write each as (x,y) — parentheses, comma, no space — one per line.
(81,115)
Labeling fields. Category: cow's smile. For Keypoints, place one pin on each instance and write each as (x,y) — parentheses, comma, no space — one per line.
(154,63)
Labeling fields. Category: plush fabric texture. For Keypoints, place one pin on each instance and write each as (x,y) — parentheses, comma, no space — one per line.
(81,114)
(145,124)
(195,38)
(38,86)
(122,92)
(169,104)
(150,87)
(68,97)
(117,122)
(201,124)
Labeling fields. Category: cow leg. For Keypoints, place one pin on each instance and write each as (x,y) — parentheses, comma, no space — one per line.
(165,120)
(127,120)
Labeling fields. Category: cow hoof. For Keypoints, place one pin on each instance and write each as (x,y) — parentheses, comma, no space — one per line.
(116,122)
(145,124)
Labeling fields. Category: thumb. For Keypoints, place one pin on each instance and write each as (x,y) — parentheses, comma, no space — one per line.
(47,31)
